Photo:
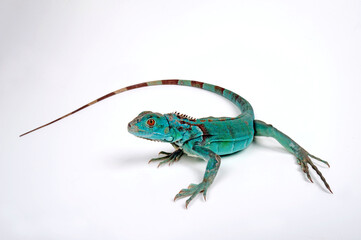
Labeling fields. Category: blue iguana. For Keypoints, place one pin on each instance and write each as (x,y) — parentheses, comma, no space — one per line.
(207,138)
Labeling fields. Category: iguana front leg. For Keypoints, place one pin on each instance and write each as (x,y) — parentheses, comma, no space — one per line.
(213,164)
(169,157)
(303,157)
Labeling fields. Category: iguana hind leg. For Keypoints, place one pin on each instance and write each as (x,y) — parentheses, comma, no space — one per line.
(303,157)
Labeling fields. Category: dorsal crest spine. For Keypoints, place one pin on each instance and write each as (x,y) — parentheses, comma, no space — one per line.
(184,116)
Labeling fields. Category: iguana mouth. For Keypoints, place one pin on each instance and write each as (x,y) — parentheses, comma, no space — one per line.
(150,139)
(154,140)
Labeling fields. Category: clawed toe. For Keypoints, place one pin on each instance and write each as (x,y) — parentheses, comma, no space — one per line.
(192,191)
(168,158)
(303,158)
(319,159)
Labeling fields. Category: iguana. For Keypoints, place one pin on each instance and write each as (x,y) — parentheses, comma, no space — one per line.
(207,138)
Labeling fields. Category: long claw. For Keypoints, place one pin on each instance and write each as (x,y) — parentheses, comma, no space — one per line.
(164,153)
(319,159)
(309,177)
(156,159)
(192,191)
(165,161)
(320,174)
(205,195)
(307,171)
(176,197)
(191,198)
(168,158)
(303,158)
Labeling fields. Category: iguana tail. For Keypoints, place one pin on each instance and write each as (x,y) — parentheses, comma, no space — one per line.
(240,102)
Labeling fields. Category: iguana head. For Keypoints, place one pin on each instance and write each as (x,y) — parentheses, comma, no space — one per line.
(151,126)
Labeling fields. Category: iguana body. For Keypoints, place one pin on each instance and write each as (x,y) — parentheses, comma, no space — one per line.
(207,138)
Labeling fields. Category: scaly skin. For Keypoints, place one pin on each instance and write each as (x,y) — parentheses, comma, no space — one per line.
(207,138)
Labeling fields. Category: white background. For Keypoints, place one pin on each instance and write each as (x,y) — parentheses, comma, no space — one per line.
(297,62)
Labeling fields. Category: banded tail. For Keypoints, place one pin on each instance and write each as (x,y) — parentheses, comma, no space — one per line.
(240,102)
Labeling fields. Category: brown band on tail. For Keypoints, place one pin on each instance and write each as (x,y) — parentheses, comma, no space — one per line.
(218,90)
(170,82)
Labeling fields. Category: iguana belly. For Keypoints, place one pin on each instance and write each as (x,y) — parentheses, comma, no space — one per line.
(228,136)
(228,147)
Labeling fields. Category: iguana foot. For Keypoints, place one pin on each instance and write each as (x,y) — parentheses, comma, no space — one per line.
(304,158)
(169,157)
(192,191)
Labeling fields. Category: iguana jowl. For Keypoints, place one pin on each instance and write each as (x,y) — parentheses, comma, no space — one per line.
(207,138)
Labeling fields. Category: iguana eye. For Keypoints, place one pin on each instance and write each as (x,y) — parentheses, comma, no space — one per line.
(150,122)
